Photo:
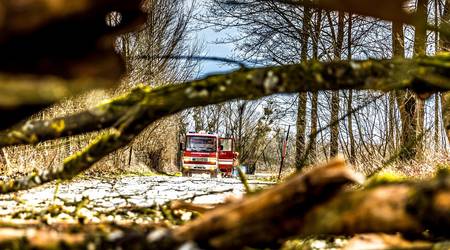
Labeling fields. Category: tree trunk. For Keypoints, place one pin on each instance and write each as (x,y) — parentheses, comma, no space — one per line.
(436,96)
(392,123)
(240,144)
(198,123)
(302,97)
(405,101)
(437,141)
(420,40)
(446,112)
(4,161)
(445,46)
(352,156)
(334,134)
(315,94)
(445,41)
(314,117)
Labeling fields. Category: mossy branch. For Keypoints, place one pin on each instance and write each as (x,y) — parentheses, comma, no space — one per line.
(316,202)
(104,144)
(21,96)
(102,116)
(423,75)
(132,113)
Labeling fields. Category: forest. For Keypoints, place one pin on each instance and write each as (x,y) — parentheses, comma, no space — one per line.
(336,115)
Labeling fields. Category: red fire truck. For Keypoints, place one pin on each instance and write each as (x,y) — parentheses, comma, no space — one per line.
(208,153)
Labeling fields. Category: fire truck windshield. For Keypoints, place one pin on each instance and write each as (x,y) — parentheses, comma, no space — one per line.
(201,144)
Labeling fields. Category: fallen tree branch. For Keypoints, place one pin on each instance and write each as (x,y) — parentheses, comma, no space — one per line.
(310,204)
(408,208)
(52,49)
(65,39)
(23,96)
(102,116)
(423,75)
(264,219)
(180,204)
(125,130)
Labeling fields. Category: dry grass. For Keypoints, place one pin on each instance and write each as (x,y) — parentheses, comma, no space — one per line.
(154,149)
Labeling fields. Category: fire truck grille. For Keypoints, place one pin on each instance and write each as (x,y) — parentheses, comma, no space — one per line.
(200,159)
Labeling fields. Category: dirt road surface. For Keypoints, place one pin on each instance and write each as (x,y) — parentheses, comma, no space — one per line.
(139,191)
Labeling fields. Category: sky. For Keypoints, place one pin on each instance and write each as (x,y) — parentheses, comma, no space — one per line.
(209,38)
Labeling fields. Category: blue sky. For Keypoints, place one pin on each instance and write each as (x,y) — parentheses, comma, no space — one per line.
(209,37)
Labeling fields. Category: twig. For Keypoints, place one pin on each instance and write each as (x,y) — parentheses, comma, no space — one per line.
(244,180)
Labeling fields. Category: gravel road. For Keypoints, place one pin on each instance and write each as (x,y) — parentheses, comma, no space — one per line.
(142,191)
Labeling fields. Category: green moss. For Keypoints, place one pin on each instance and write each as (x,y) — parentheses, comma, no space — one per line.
(271,178)
(129,99)
(443,170)
(387,177)
(58,126)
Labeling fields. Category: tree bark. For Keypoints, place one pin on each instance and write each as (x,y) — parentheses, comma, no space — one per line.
(300,139)
(437,133)
(314,118)
(198,122)
(242,223)
(445,46)
(406,208)
(409,208)
(392,133)
(315,94)
(4,161)
(420,49)
(334,130)
(446,112)
(406,101)
(445,19)
(352,155)
(437,126)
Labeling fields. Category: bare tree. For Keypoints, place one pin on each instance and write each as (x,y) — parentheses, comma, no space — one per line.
(302,97)
(420,46)
(338,38)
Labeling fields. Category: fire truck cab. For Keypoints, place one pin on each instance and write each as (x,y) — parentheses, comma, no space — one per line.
(208,153)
